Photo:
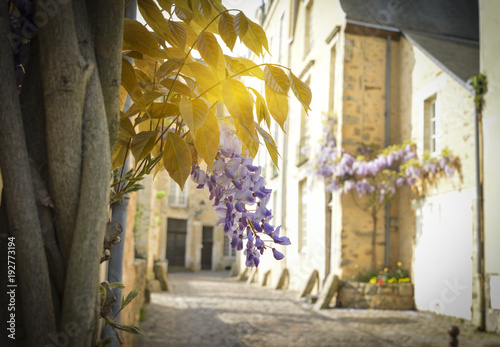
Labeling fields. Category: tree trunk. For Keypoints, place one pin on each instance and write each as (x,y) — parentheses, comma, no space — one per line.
(56,186)
(31,264)
(374,241)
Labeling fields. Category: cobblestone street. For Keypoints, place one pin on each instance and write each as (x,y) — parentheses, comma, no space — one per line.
(210,309)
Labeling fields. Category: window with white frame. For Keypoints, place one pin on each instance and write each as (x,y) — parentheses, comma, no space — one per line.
(302,215)
(177,197)
(282,38)
(303,146)
(275,202)
(431,125)
(276,134)
(228,251)
(308,39)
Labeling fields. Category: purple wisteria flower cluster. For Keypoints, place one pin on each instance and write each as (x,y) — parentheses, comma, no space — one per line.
(240,199)
(378,174)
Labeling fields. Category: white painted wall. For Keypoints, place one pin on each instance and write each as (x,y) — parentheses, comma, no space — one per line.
(443,254)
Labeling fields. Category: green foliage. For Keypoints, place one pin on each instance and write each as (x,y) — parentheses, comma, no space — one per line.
(386,275)
(172,122)
(480,85)
(107,298)
(131,296)
(160,194)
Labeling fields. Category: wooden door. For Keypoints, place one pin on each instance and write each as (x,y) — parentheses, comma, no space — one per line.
(176,242)
(206,251)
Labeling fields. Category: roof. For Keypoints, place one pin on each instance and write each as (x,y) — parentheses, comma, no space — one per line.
(458,59)
(455,18)
(447,31)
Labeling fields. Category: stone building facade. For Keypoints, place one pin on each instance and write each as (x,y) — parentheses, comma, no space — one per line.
(380,70)
(179,226)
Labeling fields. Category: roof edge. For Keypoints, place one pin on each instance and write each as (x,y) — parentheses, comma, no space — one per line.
(465,84)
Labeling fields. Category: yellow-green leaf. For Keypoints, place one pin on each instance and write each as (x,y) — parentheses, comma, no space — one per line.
(278,106)
(167,67)
(166,5)
(183,12)
(261,109)
(153,16)
(160,110)
(142,76)
(226,29)
(178,34)
(119,153)
(209,48)
(142,144)
(270,144)
(177,158)
(241,24)
(205,8)
(207,139)
(253,148)
(129,82)
(255,38)
(149,96)
(194,113)
(176,86)
(276,79)
(127,128)
(137,38)
(244,67)
(123,97)
(205,77)
(240,107)
(302,91)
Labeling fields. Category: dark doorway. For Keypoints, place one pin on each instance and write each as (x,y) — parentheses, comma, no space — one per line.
(206,251)
(176,242)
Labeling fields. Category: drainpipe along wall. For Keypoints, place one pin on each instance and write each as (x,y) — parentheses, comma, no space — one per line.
(387,139)
(119,211)
(480,216)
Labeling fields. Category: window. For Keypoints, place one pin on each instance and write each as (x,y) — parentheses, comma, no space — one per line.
(177,197)
(302,215)
(431,133)
(276,135)
(303,147)
(282,38)
(308,39)
(228,251)
(275,202)
(331,95)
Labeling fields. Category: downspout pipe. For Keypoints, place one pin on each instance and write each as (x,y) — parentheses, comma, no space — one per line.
(479,85)
(478,124)
(119,213)
(387,141)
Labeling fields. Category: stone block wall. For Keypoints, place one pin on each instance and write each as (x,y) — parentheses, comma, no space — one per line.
(384,297)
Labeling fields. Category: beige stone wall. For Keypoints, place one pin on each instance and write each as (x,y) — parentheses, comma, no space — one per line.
(145,228)
(363,121)
(199,213)
(373,296)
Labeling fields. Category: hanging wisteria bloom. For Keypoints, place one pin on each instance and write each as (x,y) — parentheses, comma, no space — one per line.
(378,174)
(240,199)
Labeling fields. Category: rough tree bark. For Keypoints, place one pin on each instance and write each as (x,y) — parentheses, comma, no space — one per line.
(56,170)
(19,199)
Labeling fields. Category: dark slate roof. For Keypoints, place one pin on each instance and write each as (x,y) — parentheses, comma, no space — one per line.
(445,30)
(459,59)
(456,18)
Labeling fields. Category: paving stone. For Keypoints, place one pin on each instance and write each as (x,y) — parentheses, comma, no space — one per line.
(211,309)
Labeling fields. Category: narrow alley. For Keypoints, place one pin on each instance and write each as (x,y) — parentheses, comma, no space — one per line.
(211,309)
